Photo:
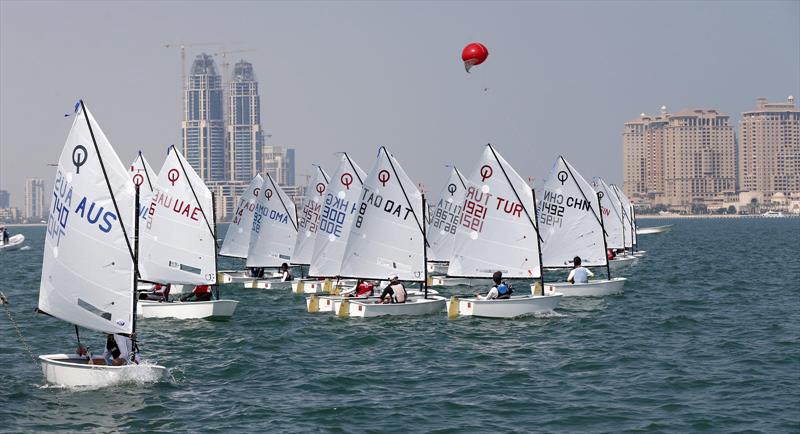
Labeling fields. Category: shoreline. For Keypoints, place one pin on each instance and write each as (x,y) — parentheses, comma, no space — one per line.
(710,216)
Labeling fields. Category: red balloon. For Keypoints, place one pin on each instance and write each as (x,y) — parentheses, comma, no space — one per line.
(474,54)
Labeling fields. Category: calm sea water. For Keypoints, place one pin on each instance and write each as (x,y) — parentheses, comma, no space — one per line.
(705,338)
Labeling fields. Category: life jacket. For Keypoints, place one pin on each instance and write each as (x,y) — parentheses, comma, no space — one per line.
(201,289)
(287,276)
(399,293)
(503,291)
(111,346)
(365,288)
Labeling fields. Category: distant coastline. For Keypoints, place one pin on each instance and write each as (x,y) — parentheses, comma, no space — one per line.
(710,216)
(14,225)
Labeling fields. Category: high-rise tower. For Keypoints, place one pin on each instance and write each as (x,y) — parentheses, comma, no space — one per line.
(244,134)
(769,148)
(203,121)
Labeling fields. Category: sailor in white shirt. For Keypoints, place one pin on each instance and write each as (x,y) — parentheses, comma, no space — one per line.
(579,274)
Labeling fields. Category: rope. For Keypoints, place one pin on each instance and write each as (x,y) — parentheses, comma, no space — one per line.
(5,303)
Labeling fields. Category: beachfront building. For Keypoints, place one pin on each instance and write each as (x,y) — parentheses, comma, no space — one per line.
(769,150)
(203,122)
(685,160)
(245,139)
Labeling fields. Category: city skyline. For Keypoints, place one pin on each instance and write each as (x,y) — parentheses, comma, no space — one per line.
(549,64)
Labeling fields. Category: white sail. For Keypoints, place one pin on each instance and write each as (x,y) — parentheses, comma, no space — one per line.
(176,242)
(143,176)
(274,228)
(569,219)
(87,269)
(308,219)
(627,216)
(612,215)
(237,239)
(497,231)
(387,234)
(338,213)
(444,218)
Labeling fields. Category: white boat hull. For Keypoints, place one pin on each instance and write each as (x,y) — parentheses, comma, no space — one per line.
(654,230)
(437,268)
(595,288)
(414,306)
(308,286)
(14,243)
(331,303)
(621,262)
(267,284)
(187,309)
(508,308)
(72,371)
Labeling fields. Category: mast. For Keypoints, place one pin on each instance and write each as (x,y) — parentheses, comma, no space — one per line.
(216,247)
(424,249)
(538,239)
(602,227)
(135,267)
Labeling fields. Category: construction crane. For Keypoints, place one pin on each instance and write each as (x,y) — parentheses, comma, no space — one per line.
(182,47)
(224,54)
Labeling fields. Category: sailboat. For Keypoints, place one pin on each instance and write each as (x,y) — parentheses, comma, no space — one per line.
(613,222)
(629,219)
(336,218)
(498,233)
(178,241)
(274,233)
(89,265)
(387,239)
(443,223)
(237,240)
(570,224)
(308,224)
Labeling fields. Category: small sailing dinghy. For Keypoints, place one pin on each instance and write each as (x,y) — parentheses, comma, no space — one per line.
(498,233)
(178,242)
(388,239)
(442,225)
(237,239)
(15,242)
(89,264)
(616,230)
(274,233)
(338,213)
(570,224)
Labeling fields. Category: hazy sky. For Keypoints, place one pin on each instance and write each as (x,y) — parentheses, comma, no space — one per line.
(562,77)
